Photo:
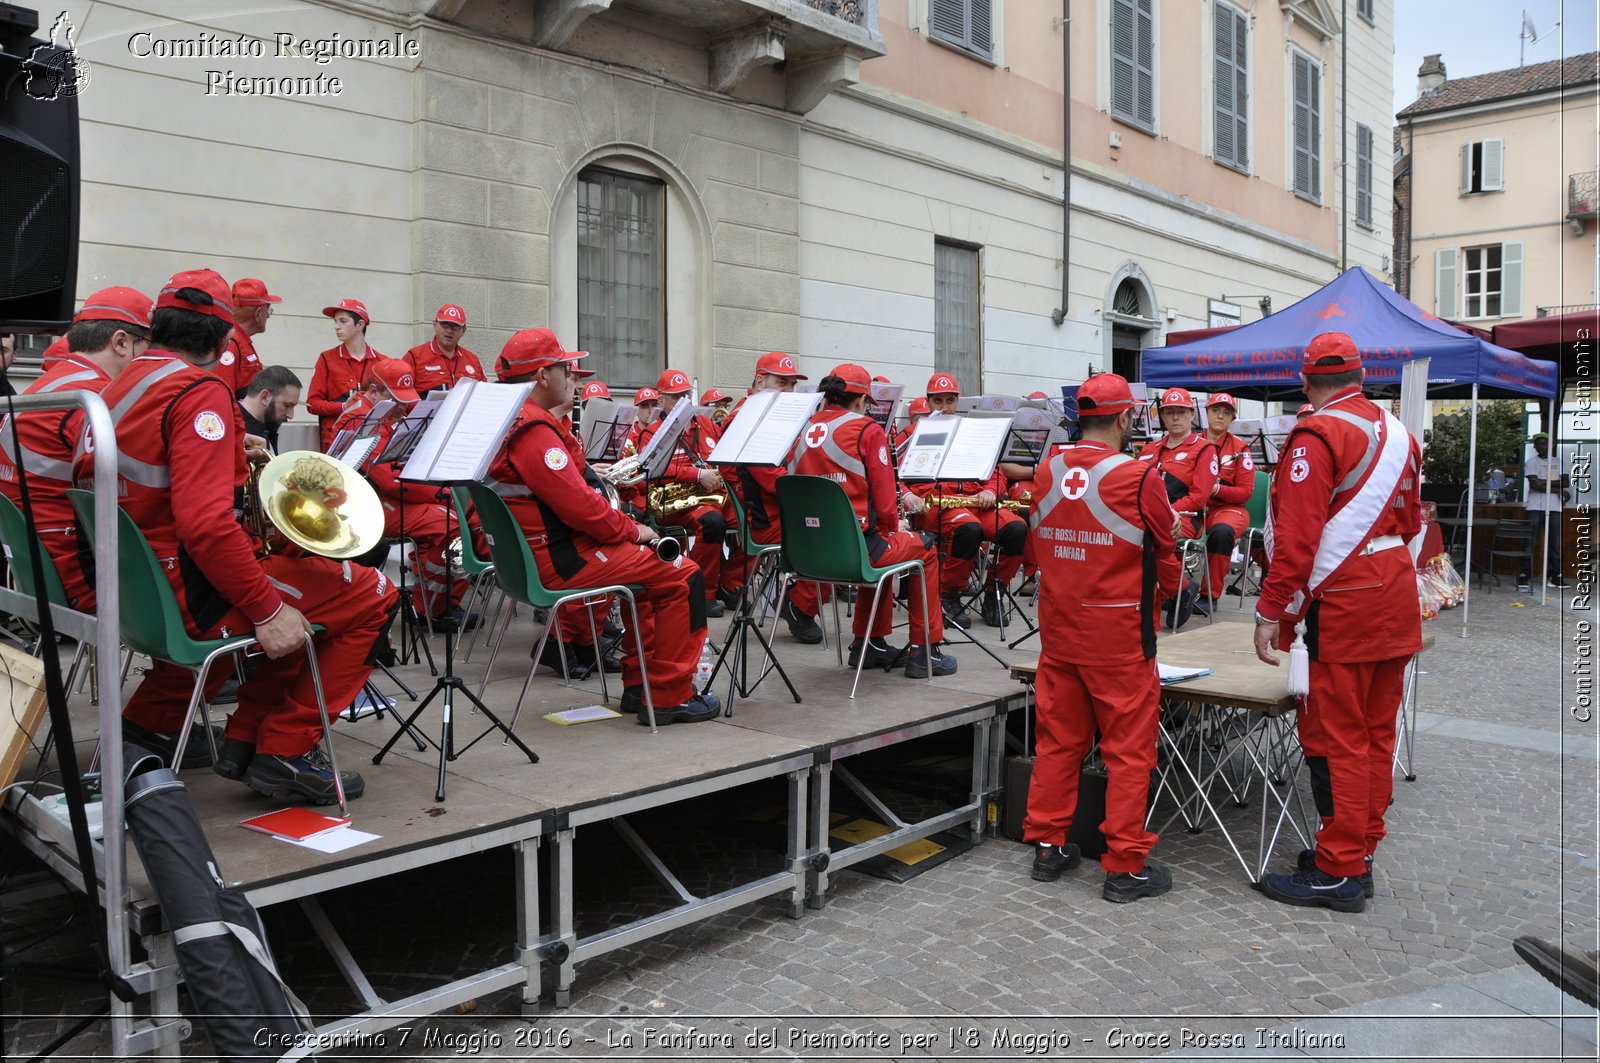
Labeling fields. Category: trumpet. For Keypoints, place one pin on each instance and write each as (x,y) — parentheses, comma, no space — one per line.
(623,473)
(1015,505)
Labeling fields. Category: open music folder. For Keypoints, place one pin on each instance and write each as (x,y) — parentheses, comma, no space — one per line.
(955,447)
(464,434)
(765,429)
(605,428)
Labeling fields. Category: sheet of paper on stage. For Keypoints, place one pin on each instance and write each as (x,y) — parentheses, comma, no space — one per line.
(585,714)
(336,841)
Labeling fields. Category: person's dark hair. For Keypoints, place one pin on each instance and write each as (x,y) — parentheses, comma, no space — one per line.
(1101,423)
(833,391)
(1338,380)
(274,378)
(187,332)
(87,337)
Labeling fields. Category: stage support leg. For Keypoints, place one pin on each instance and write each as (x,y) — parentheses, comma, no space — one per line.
(527,887)
(800,857)
(562,911)
(817,875)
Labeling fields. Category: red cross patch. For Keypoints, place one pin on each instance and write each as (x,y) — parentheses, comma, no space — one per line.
(816,434)
(1074,484)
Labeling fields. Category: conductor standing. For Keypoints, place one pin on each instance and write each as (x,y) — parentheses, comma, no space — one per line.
(1345,501)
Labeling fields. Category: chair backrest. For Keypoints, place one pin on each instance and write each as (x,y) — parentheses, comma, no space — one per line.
(822,539)
(471,563)
(1256,504)
(751,547)
(14,535)
(514,567)
(1516,532)
(150,618)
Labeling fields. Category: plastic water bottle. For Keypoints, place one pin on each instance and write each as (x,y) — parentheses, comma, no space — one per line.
(707,665)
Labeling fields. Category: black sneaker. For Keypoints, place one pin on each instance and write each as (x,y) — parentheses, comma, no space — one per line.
(714,609)
(309,776)
(454,619)
(1308,860)
(917,663)
(1315,888)
(1124,886)
(197,754)
(1049,861)
(953,612)
(233,757)
(697,709)
(1557,582)
(632,700)
(1523,585)
(611,629)
(1030,587)
(990,610)
(879,655)
(804,628)
(729,598)
(1573,972)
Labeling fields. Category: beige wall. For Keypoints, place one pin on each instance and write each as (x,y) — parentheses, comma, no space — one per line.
(1544,144)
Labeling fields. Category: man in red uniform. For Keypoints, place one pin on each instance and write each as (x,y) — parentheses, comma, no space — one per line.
(595,389)
(580,541)
(721,406)
(180,460)
(845,445)
(252,307)
(1189,465)
(442,361)
(1103,537)
(1226,517)
(1346,500)
(110,330)
(341,372)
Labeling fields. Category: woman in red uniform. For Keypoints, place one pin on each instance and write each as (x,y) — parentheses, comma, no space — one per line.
(845,445)
(341,371)
(1188,463)
(1226,517)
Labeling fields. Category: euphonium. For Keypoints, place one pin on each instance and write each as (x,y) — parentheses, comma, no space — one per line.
(1019,505)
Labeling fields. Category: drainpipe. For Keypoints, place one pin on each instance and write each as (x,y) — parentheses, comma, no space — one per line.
(1344,136)
(1059,314)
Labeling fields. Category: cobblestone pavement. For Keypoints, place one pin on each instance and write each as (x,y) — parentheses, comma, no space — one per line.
(1496,837)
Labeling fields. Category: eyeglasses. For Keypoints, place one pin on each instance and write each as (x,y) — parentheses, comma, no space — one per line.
(450,326)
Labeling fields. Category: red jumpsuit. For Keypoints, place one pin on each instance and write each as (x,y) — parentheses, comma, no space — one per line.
(1103,538)
(334,381)
(424,519)
(708,524)
(964,531)
(239,363)
(1362,619)
(1194,464)
(578,540)
(574,618)
(181,458)
(852,449)
(1226,517)
(432,369)
(49,443)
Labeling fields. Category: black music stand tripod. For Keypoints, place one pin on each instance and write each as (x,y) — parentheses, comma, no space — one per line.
(737,641)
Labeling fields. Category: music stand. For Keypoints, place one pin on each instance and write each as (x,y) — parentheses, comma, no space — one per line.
(407,431)
(760,437)
(455,449)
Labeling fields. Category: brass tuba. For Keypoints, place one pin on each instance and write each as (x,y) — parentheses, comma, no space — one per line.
(318,503)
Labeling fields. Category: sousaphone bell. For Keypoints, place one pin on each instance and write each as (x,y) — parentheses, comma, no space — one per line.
(320,504)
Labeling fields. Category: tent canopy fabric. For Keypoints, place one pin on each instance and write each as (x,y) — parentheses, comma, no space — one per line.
(1561,338)
(1263,358)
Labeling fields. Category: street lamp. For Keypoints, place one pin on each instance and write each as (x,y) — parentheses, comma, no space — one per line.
(1265,303)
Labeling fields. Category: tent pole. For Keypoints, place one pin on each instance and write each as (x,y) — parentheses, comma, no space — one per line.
(1472,505)
(1550,448)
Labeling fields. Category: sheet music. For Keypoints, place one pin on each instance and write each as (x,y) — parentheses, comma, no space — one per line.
(882,400)
(465,433)
(428,447)
(658,452)
(1030,435)
(976,449)
(416,420)
(987,404)
(357,453)
(770,431)
(737,432)
(605,427)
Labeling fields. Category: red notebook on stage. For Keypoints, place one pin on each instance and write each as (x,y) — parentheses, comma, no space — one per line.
(295,824)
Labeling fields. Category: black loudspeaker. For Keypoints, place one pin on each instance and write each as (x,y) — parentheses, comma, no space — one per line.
(39,83)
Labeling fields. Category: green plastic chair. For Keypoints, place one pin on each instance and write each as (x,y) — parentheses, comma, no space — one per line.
(823,541)
(477,570)
(518,576)
(152,624)
(1256,506)
(14,537)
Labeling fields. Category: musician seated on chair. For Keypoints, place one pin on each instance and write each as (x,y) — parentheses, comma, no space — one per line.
(422,513)
(845,445)
(179,435)
(1226,517)
(112,327)
(269,403)
(1188,463)
(579,540)
(964,529)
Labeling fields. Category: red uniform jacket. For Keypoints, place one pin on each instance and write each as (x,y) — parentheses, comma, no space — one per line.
(49,443)
(385,476)
(179,436)
(1237,474)
(852,449)
(1102,529)
(1366,609)
(239,363)
(565,519)
(336,376)
(431,368)
(1193,461)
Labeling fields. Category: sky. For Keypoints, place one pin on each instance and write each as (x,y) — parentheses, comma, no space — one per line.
(1480,36)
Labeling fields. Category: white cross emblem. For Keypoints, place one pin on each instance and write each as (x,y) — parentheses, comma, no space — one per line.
(1074,484)
(816,434)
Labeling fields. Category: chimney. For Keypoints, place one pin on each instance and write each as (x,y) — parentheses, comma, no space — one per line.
(1430,76)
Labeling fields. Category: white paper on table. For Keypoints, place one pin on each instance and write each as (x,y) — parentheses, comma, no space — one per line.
(335,841)
(976,448)
(1172,673)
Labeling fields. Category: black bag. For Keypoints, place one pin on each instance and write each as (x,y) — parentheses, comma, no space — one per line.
(245,1006)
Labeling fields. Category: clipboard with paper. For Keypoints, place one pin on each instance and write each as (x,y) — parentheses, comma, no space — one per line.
(462,434)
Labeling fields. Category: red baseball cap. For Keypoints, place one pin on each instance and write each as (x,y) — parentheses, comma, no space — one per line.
(777,363)
(395,375)
(918,408)
(1331,352)
(1037,395)
(1176,397)
(56,351)
(857,381)
(528,351)
(572,363)
(1105,394)
(348,306)
(202,291)
(453,314)
(1222,398)
(596,389)
(248,291)
(644,395)
(116,304)
(943,384)
(714,396)
(674,382)
(1304,411)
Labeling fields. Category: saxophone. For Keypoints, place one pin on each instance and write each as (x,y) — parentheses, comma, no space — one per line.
(668,502)
(1015,505)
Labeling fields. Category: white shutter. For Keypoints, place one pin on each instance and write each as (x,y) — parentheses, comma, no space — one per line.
(1511,279)
(1493,177)
(1466,168)
(1444,283)
(1363,175)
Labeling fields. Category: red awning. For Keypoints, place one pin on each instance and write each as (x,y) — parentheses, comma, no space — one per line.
(1548,332)
(1190,335)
